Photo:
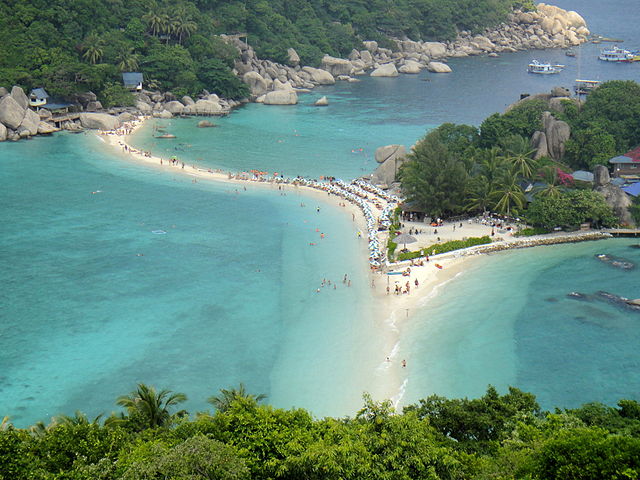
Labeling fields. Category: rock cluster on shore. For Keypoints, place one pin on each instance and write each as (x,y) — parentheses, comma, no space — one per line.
(548,27)
(17,120)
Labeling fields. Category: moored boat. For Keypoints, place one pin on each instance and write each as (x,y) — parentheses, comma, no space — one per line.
(543,68)
(584,87)
(615,54)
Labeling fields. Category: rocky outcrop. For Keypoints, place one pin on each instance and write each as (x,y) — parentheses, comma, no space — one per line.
(321,102)
(320,76)
(438,67)
(30,122)
(410,66)
(434,49)
(3,92)
(557,133)
(175,107)
(3,132)
(99,121)
(205,124)
(294,58)
(539,144)
(95,106)
(386,70)
(20,97)
(45,128)
(257,84)
(11,113)
(390,157)
(614,195)
(336,66)
(281,97)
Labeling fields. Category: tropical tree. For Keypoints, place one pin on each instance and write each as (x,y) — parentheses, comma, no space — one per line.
(508,193)
(183,26)
(518,152)
(553,186)
(157,22)
(479,194)
(93,47)
(227,396)
(79,418)
(5,424)
(127,60)
(151,407)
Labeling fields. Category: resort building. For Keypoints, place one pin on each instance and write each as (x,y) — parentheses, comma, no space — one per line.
(627,165)
(132,80)
(38,98)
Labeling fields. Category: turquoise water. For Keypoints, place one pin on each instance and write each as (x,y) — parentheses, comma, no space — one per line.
(228,293)
(507,320)
(220,298)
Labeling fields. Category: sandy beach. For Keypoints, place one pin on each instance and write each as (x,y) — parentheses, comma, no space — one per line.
(417,281)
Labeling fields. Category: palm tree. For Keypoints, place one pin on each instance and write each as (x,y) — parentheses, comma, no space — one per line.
(93,49)
(183,26)
(519,154)
(127,60)
(157,22)
(152,406)
(223,401)
(78,419)
(508,193)
(553,187)
(479,191)
(39,429)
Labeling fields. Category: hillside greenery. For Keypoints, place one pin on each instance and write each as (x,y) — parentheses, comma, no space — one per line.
(74,46)
(492,437)
(458,169)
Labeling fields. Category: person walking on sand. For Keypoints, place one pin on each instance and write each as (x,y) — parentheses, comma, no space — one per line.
(404,363)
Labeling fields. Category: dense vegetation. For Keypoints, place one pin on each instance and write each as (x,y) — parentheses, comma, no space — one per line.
(457,169)
(73,46)
(492,437)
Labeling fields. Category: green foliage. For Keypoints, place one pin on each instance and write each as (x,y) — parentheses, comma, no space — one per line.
(216,77)
(115,94)
(433,178)
(521,120)
(148,408)
(531,231)
(570,209)
(445,247)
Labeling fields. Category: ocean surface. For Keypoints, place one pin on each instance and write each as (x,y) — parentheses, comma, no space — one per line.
(197,287)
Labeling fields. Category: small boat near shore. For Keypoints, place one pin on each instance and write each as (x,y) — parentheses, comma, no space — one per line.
(166,135)
(541,68)
(618,262)
(585,87)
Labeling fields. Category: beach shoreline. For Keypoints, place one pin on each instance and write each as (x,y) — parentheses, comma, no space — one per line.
(394,311)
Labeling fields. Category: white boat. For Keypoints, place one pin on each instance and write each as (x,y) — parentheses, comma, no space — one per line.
(543,68)
(584,87)
(615,54)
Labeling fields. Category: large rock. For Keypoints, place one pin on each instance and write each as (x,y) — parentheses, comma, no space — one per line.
(100,121)
(30,122)
(410,66)
(281,97)
(278,85)
(45,128)
(3,92)
(557,132)
(371,45)
(207,107)
(165,114)
(614,195)
(390,157)
(125,117)
(20,97)
(389,151)
(386,70)
(366,57)
(321,102)
(294,58)
(320,76)
(174,107)
(336,66)
(93,106)
(257,84)
(3,132)
(560,92)
(434,49)
(438,67)
(187,100)
(539,143)
(144,107)
(11,113)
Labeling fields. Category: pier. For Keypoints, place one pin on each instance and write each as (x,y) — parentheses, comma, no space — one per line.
(623,232)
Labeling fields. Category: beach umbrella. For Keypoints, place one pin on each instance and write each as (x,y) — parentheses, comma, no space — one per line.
(405,238)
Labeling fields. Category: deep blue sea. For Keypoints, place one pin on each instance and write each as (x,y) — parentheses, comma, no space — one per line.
(197,287)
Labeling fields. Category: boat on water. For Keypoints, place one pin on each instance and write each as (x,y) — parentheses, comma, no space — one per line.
(543,68)
(584,87)
(616,54)
(166,135)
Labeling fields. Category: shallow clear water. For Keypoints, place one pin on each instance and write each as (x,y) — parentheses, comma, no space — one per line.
(507,320)
(220,298)
(228,293)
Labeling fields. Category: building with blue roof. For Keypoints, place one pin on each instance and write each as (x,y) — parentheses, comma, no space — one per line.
(132,80)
